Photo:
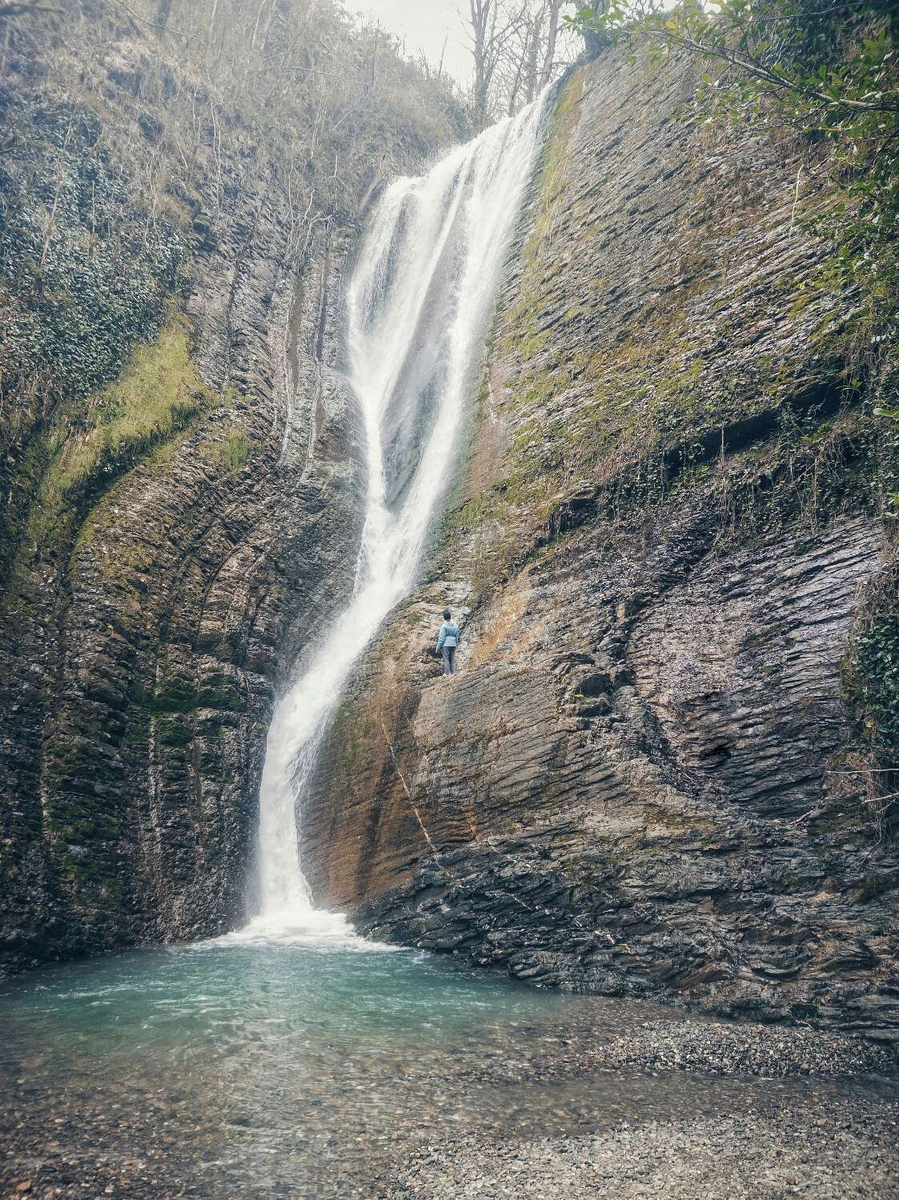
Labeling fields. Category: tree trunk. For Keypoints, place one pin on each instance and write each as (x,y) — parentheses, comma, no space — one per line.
(532,72)
(483,20)
(592,40)
(256,26)
(215,8)
(162,16)
(551,32)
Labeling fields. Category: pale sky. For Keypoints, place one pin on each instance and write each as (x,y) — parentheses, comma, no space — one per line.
(426,25)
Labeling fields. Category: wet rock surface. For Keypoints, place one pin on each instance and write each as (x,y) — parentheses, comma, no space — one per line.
(603,854)
(156,594)
(139,686)
(646,779)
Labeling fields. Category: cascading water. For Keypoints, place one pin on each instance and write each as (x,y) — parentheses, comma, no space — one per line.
(418,304)
(254,1065)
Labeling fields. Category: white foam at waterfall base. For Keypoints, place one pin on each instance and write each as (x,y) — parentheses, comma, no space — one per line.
(419,302)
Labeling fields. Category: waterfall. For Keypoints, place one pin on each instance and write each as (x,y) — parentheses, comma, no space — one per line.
(418,305)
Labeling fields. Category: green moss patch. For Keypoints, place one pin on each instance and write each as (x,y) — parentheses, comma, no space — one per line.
(229,452)
(158,395)
(873,672)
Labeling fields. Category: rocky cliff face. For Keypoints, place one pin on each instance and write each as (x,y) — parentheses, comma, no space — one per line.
(181,486)
(651,775)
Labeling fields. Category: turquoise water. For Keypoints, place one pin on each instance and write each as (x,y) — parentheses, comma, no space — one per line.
(235,1070)
(173,1001)
(282,1070)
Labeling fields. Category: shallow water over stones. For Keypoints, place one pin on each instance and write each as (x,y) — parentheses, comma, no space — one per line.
(281,1070)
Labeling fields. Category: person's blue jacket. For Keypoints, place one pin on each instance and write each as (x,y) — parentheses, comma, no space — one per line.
(449,633)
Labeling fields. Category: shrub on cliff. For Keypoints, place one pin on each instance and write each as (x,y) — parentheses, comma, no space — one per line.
(829,71)
(128,132)
(115,118)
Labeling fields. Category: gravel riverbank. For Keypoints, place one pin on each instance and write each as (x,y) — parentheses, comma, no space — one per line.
(773,1052)
(765,1158)
(678,1041)
(137,1078)
(833,1144)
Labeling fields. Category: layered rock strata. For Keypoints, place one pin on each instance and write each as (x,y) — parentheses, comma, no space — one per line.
(648,777)
(172,538)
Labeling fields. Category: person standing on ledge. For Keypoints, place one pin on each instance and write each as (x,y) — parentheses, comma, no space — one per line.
(446,642)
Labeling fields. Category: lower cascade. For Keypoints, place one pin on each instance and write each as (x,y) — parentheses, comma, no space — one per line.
(418,304)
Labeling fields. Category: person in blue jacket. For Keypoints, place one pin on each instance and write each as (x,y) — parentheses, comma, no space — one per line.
(446,642)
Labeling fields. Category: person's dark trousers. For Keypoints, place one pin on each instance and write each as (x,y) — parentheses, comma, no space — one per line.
(449,660)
